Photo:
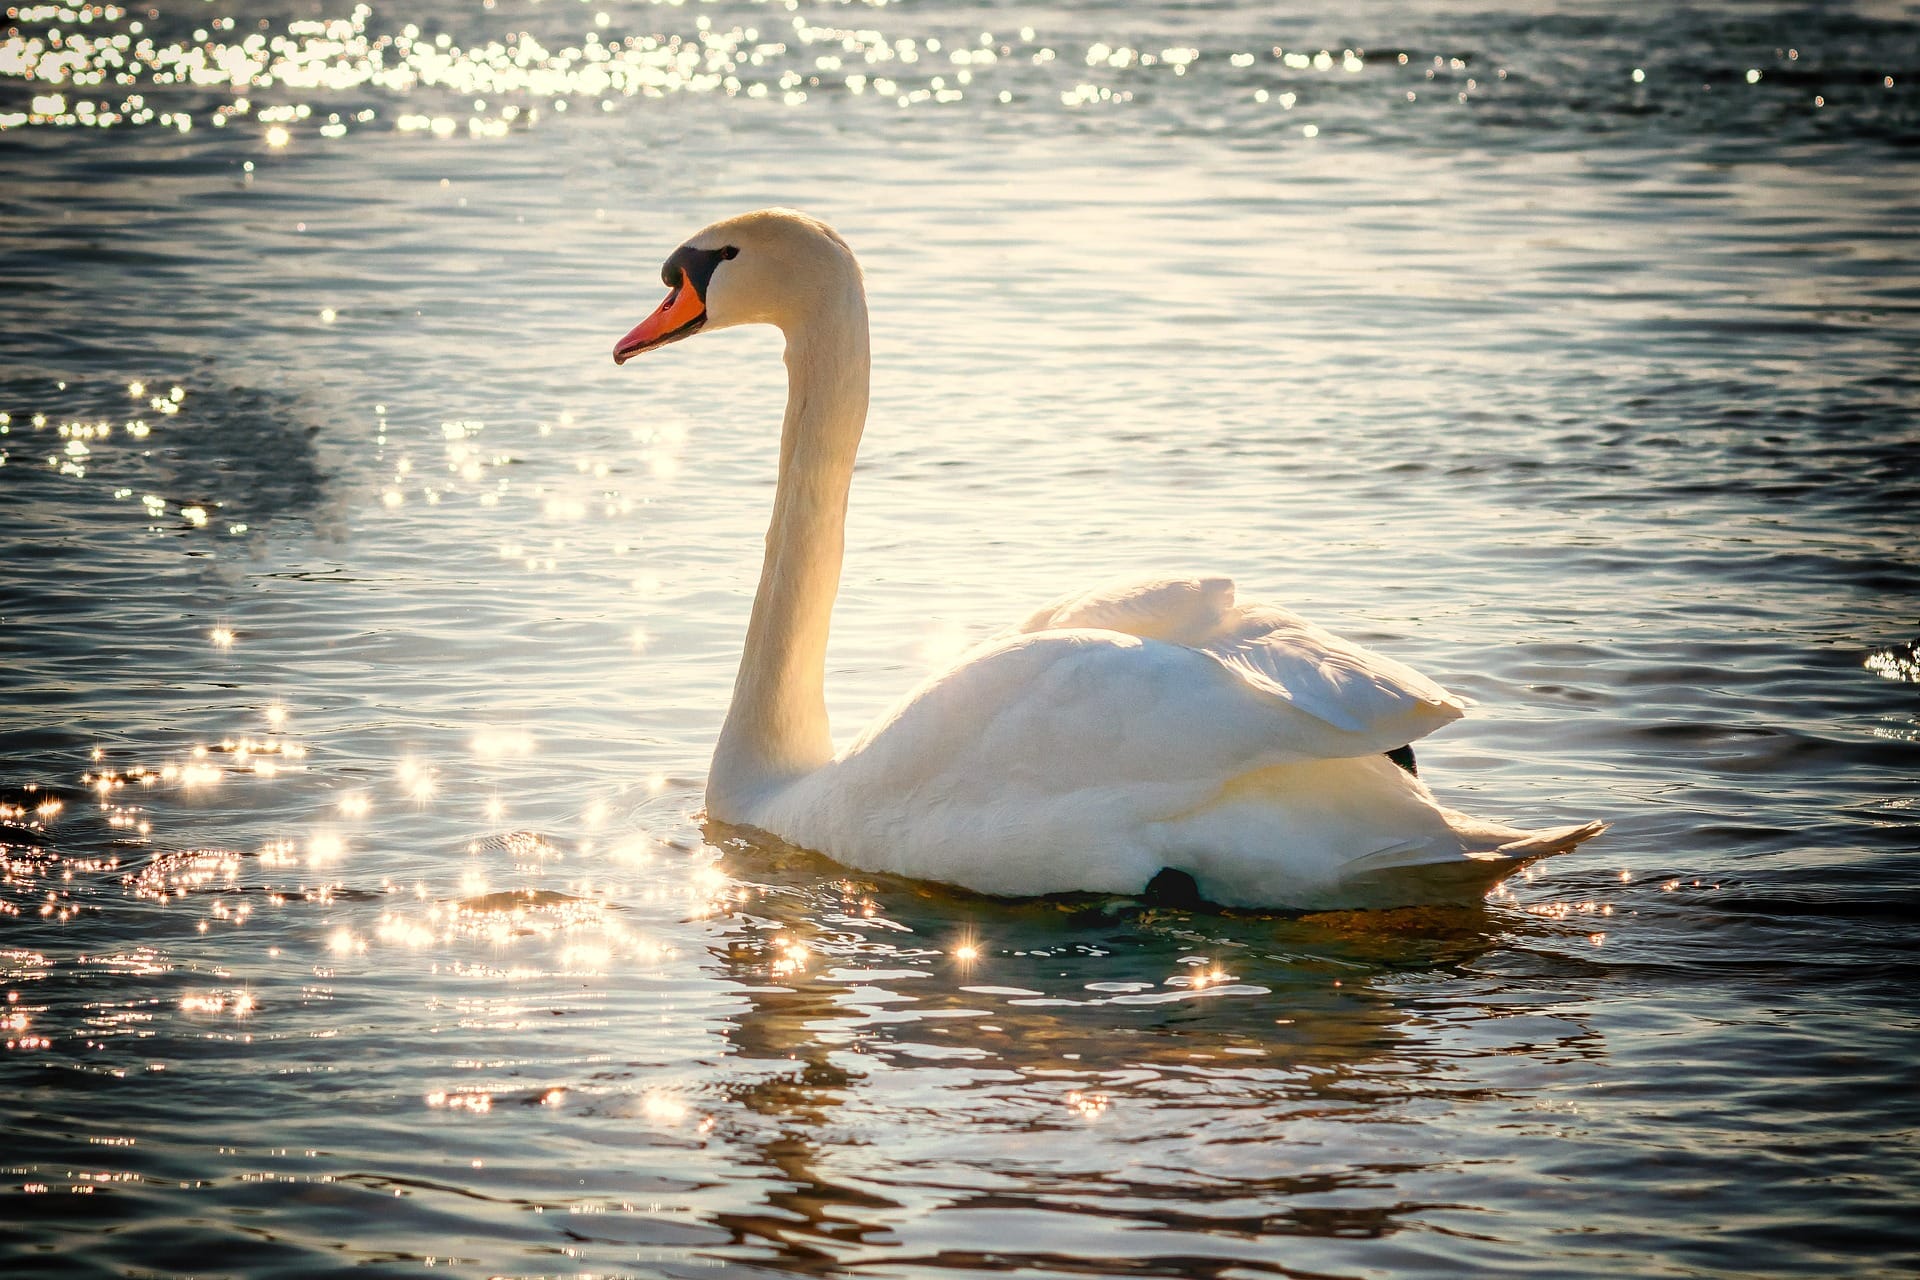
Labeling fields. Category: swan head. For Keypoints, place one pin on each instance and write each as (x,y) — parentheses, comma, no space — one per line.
(772,266)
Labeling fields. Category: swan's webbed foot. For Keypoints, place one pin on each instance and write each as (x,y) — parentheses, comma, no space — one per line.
(1172,888)
(1403,756)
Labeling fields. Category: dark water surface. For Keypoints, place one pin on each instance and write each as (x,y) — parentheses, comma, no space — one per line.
(358,693)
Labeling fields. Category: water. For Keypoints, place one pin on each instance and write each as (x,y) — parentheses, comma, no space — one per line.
(359,695)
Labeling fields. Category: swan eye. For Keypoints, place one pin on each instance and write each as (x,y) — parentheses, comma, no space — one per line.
(695,266)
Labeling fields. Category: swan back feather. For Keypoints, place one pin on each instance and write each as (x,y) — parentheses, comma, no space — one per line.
(1276,651)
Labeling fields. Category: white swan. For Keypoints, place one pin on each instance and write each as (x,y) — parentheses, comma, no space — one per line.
(1111,735)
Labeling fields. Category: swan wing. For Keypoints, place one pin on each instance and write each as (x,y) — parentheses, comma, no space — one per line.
(1347,686)
(1178,610)
(1273,649)
(1041,762)
(1089,759)
(1093,707)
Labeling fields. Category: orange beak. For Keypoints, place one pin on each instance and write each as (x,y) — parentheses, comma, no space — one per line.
(680,316)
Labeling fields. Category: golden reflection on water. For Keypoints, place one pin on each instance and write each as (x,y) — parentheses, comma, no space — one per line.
(99,66)
(1020,1024)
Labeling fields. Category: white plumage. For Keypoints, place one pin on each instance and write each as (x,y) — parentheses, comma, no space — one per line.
(1161,724)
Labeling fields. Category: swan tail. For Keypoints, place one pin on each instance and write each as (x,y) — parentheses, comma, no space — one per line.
(1420,873)
(1346,833)
(1542,844)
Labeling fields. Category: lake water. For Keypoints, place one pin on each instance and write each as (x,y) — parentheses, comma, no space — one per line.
(364,634)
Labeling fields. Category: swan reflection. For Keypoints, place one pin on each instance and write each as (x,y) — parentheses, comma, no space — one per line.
(1088,1035)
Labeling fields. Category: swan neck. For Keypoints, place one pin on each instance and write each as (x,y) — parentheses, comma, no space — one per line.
(776,728)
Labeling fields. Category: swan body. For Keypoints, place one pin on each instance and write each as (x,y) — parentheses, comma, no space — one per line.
(1108,736)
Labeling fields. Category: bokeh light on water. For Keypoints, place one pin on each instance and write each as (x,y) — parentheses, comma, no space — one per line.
(364,634)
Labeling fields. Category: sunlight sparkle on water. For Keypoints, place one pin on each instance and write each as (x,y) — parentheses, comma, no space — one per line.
(790,956)
(500,87)
(1089,1106)
(491,744)
(477,1101)
(402,931)
(419,780)
(663,1108)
